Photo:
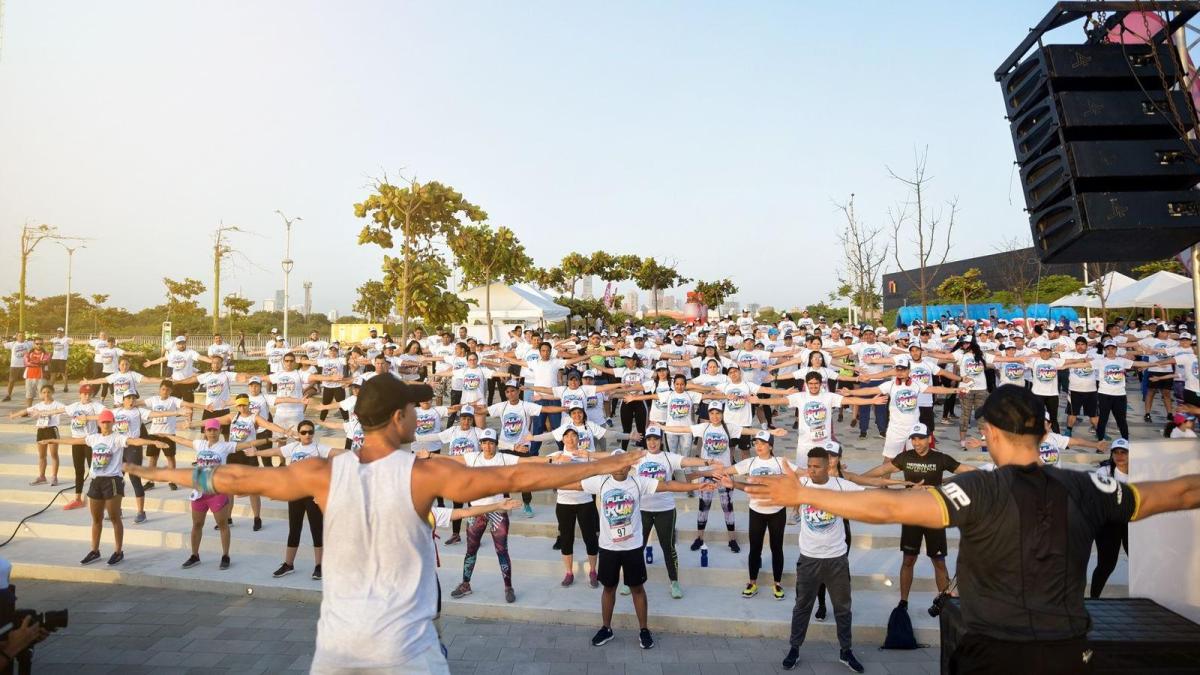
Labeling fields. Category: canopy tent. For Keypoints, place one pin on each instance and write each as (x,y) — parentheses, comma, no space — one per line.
(517,303)
(1086,297)
(1161,289)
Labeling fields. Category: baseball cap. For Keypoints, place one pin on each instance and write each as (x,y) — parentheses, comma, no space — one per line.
(919,430)
(254,380)
(212,423)
(660,364)
(903,362)
(1119,444)
(488,435)
(513,384)
(1179,418)
(129,393)
(590,372)
(764,436)
(833,447)
(655,431)
(382,396)
(468,410)
(85,388)
(716,405)
(1045,348)
(105,416)
(274,330)
(1108,343)
(1014,409)
(180,339)
(59,329)
(241,399)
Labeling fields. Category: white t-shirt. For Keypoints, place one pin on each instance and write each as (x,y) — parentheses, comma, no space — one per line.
(1187,365)
(922,372)
(1113,472)
(19,350)
(81,428)
(969,366)
(715,440)
(1081,378)
(572,497)
(633,375)
(108,454)
(658,408)
(289,384)
(738,409)
(223,350)
(60,347)
(515,421)
(331,366)
(122,383)
(352,428)
(474,383)
(217,388)
(545,373)
(679,405)
(477,459)
(1156,345)
(816,420)
(1045,376)
(429,426)
(314,349)
(128,422)
(296,452)
(620,509)
(903,405)
(577,397)
(754,466)
(108,357)
(97,344)
(657,466)
(45,415)
(588,433)
(211,456)
(459,442)
(182,363)
(1010,372)
(243,428)
(822,534)
(1052,447)
(275,358)
(163,426)
(1182,433)
(876,350)
(1111,375)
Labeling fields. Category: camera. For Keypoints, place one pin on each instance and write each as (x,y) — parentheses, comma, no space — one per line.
(51,620)
(935,609)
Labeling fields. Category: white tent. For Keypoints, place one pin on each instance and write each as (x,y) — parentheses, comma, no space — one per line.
(511,304)
(1086,296)
(1161,289)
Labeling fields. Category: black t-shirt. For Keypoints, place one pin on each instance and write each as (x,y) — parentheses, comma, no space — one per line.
(928,469)
(1027,534)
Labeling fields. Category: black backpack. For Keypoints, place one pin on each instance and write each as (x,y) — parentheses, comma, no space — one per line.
(900,631)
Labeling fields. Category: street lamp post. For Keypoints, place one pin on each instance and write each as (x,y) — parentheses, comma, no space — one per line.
(70,262)
(287,268)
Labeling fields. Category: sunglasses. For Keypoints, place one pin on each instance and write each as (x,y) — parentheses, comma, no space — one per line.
(306,432)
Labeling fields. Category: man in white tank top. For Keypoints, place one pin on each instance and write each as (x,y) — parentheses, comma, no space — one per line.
(380,583)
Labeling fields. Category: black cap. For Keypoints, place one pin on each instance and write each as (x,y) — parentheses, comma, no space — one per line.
(383,395)
(1014,409)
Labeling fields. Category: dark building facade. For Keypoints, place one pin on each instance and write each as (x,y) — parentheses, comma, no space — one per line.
(994,271)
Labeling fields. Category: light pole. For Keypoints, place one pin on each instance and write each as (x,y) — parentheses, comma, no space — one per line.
(70,261)
(287,268)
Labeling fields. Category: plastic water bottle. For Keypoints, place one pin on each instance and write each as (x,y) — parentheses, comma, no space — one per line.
(649,555)
(704,555)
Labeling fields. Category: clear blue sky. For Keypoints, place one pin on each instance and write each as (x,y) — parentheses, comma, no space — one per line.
(714,133)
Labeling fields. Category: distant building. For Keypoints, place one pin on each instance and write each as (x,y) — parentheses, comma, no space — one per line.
(269,305)
(753,307)
(278,300)
(630,304)
(332,315)
(669,302)
(587,288)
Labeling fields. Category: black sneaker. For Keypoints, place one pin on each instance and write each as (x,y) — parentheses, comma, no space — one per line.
(148,485)
(1146,417)
(316,575)
(698,543)
(192,561)
(820,615)
(284,570)
(789,661)
(645,639)
(173,486)
(883,435)
(602,637)
(90,558)
(257,524)
(847,658)
(557,545)
(224,562)
(862,435)
(116,557)
(733,546)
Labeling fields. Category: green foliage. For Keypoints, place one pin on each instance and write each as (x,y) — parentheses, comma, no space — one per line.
(487,256)
(714,293)
(1055,286)
(653,276)
(769,315)
(1165,265)
(830,312)
(374,301)
(425,291)
(179,298)
(964,288)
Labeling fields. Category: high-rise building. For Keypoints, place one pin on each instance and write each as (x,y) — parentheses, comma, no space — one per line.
(269,305)
(307,298)
(332,315)
(587,287)
(753,307)
(630,305)
(669,302)
(278,300)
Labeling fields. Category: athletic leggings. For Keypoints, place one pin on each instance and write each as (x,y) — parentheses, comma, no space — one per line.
(971,400)
(1109,542)
(706,503)
(631,413)
(499,527)
(589,525)
(1116,405)
(133,455)
(663,523)
(456,525)
(331,394)
(679,443)
(81,457)
(759,525)
(1051,404)
(297,510)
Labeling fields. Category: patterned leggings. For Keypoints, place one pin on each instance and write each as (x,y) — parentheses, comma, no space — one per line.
(706,504)
(499,527)
(971,401)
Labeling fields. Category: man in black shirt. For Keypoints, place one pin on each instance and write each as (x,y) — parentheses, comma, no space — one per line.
(925,467)
(1026,536)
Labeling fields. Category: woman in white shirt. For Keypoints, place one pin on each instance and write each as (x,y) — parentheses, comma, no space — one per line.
(46,414)
(1114,536)
(764,518)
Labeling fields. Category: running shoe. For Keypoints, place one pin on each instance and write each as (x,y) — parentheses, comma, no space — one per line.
(73,504)
(789,661)
(139,518)
(191,562)
(862,435)
(454,539)
(733,546)
(883,435)
(750,591)
(173,486)
(284,570)
(645,639)
(148,485)
(1147,417)
(257,524)
(316,575)
(224,563)
(90,558)
(568,579)
(116,557)
(602,637)
(847,659)
(698,543)
(676,591)
(778,592)
(463,590)
(510,596)
(557,545)
(527,510)
(624,590)
(820,615)
(41,480)
(592,580)
(54,480)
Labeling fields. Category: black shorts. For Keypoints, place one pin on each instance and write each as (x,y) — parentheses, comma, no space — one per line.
(1190,397)
(612,566)
(58,366)
(240,457)
(47,432)
(1087,401)
(1159,384)
(106,487)
(911,536)
(153,450)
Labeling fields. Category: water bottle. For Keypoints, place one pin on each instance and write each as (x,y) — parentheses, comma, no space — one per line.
(704,555)
(649,555)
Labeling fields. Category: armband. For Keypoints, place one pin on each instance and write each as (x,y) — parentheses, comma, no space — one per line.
(202,480)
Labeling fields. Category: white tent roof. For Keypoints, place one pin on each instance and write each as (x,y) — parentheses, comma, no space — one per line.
(512,304)
(1161,289)
(1086,296)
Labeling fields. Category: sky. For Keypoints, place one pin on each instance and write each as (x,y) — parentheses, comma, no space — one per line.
(715,134)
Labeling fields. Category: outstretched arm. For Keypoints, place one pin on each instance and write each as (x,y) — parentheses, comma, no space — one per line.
(1177,494)
(309,478)
(909,507)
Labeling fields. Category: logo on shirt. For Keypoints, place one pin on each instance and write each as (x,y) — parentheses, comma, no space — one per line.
(461,444)
(1085,371)
(815,413)
(1114,374)
(763,471)
(815,519)
(905,400)
(239,431)
(972,367)
(121,425)
(425,424)
(1048,452)
(470,381)
(1045,372)
(102,455)
(652,470)
(618,507)
(208,457)
(716,443)
(511,425)
(679,408)
(1014,371)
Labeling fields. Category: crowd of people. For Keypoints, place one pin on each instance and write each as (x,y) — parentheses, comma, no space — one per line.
(699,409)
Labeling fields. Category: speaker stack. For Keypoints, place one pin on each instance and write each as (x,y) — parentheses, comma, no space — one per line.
(1099,133)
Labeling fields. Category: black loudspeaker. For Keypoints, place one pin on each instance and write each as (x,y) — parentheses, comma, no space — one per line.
(1098,132)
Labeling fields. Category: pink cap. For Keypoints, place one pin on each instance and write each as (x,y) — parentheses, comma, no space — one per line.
(106,416)
(212,424)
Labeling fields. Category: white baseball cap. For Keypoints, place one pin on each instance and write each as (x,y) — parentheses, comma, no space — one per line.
(919,430)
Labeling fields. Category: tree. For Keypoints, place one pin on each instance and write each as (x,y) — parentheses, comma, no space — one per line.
(1019,274)
(180,294)
(420,213)
(551,278)
(374,301)
(421,283)
(236,305)
(98,300)
(925,227)
(574,266)
(487,256)
(963,287)
(654,276)
(1055,286)
(865,254)
(714,293)
(1096,286)
(1165,265)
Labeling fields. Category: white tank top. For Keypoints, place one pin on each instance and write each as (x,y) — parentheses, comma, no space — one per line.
(380,587)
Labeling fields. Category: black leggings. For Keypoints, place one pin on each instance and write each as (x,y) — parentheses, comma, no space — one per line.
(133,455)
(632,412)
(663,522)
(297,509)
(1051,403)
(81,457)
(1109,542)
(456,525)
(1115,405)
(589,526)
(331,394)
(760,524)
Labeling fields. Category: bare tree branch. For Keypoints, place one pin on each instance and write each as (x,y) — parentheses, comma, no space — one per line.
(929,231)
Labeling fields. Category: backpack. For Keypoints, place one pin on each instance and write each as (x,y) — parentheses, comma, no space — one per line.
(900,631)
